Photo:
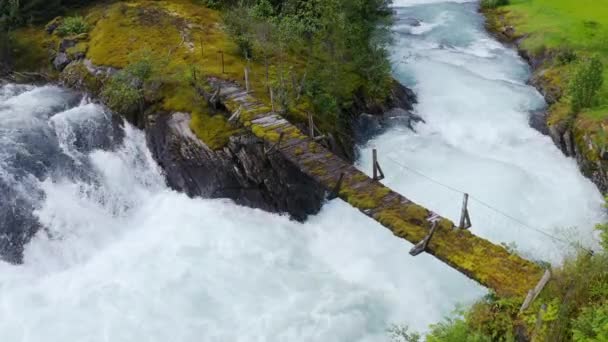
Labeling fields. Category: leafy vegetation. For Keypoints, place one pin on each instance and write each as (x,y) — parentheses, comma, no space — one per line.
(73,26)
(592,324)
(17,13)
(316,53)
(493,3)
(573,307)
(586,83)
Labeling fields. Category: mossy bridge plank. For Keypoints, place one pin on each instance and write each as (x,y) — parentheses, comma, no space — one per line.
(489,264)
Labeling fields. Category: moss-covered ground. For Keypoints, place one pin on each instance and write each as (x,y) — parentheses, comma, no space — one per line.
(181,35)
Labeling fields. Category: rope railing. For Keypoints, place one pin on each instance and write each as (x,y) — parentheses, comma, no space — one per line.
(490,207)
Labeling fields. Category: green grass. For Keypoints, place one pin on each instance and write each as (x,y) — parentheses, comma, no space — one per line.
(558,25)
(581,24)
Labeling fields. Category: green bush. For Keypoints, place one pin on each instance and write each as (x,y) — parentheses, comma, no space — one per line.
(566,56)
(73,26)
(214,4)
(586,83)
(493,3)
(591,325)
(120,95)
(454,330)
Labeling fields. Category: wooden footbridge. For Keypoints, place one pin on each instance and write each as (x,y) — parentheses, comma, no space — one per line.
(489,264)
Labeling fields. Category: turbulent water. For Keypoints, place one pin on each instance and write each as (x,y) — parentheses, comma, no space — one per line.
(123,258)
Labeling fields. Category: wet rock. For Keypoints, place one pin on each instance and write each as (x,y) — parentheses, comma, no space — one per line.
(61,61)
(370,119)
(411,21)
(241,171)
(67,43)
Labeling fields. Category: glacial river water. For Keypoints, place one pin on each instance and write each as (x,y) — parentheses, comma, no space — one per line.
(123,258)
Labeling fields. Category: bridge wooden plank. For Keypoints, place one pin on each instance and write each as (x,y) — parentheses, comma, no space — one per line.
(489,264)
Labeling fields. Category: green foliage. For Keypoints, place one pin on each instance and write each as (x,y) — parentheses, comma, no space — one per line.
(455,329)
(262,10)
(493,3)
(120,94)
(566,56)
(586,83)
(73,26)
(591,325)
(124,91)
(398,333)
(214,4)
(603,228)
(339,45)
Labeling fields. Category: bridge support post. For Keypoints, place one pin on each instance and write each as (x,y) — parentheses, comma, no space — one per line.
(465,219)
(311,126)
(275,146)
(336,190)
(421,246)
(532,294)
(378,174)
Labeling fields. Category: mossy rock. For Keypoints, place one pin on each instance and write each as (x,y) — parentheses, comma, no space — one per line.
(77,52)
(76,75)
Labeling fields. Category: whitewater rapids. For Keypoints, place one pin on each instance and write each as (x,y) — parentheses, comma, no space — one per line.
(123,258)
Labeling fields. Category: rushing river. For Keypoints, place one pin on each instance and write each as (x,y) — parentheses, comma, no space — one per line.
(123,258)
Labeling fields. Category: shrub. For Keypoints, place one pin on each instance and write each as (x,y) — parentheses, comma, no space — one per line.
(603,229)
(245,45)
(214,4)
(591,325)
(73,26)
(493,3)
(566,56)
(454,330)
(586,83)
(120,95)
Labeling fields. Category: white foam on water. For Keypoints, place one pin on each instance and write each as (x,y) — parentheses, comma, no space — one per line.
(474,98)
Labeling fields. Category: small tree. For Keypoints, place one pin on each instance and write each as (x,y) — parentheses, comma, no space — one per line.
(586,83)
(591,325)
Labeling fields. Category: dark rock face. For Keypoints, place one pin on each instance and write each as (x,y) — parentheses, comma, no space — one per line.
(369,120)
(241,171)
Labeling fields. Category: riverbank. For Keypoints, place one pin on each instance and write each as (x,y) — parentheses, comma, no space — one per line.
(555,37)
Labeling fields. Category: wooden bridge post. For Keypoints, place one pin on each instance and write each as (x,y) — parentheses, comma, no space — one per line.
(335,193)
(311,126)
(421,246)
(378,174)
(465,219)
(275,146)
(532,294)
